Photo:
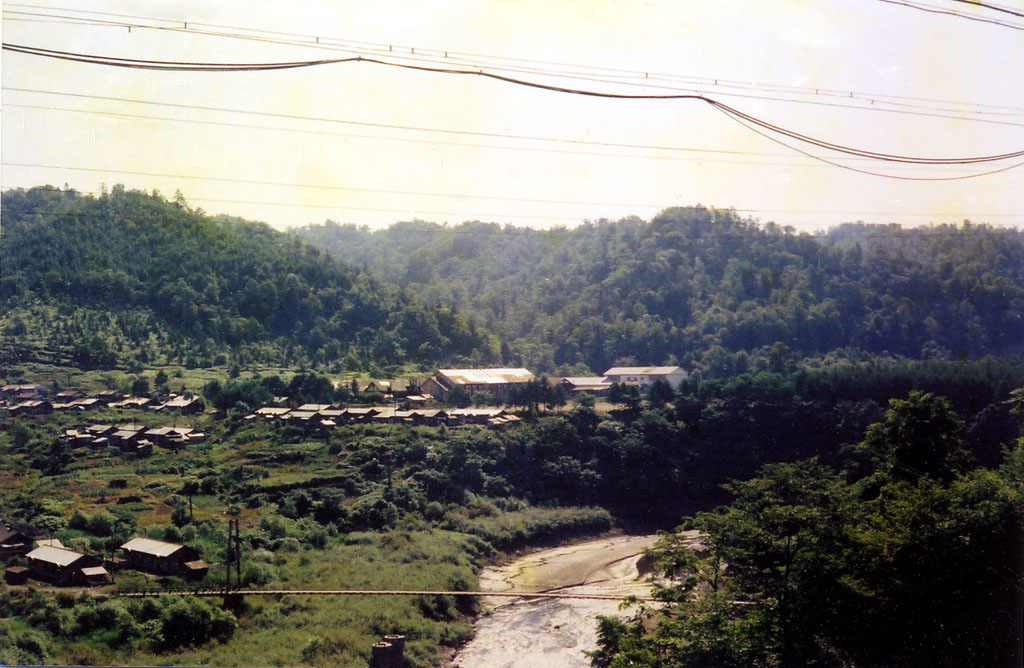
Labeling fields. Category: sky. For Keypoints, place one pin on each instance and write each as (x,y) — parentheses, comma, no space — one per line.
(372,144)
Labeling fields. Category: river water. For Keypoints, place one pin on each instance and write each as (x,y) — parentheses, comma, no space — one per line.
(553,633)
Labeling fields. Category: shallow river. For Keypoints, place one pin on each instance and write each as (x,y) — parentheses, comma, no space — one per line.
(553,633)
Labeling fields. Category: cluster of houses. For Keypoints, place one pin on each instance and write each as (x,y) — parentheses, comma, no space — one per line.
(28,399)
(641,377)
(414,397)
(133,437)
(49,561)
(500,382)
(326,416)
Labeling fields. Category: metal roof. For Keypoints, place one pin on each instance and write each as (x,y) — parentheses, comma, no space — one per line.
(179,403)
(272,410)
(149,546)
(643,370)
(55,555)
(486,376)
(50,542)
(586,380)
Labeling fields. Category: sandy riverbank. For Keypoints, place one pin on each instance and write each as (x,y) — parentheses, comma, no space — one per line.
(524,633)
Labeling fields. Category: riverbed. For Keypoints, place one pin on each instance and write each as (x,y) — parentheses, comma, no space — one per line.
(553,633)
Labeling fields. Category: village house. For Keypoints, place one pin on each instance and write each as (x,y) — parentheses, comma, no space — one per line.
(313,408)
(463,416)
(32,407)
(183,406)
(109,396)
(156,556)
(24,392)
(360,414)
(16,575)
(431,417)
(13,543)
(65,567)
(417,399)
(98,430)
(493,381)
(78,439)
(127,436)
(158,435)
(644,376)
(376,386)
(597,386)
(272,412)
(85,404)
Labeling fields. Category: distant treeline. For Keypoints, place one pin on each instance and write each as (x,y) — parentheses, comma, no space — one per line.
(707,289)
(131,277)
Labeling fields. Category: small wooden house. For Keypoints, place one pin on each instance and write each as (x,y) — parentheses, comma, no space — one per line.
(183,406)
(13,543)
(64,567)
(32,407)
(16,575)
(156,556)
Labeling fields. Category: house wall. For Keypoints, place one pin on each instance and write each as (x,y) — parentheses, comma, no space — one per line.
(173,563)
(63,575)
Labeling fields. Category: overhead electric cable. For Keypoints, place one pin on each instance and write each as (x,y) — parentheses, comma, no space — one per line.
(932,9)
(391,126)
(208,67)
(533,66)
(992,6)
(868,172)
(117,115)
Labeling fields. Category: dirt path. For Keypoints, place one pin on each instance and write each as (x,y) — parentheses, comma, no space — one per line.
(553,633)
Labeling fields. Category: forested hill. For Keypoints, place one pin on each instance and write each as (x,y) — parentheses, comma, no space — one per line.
(131,277)
(707,289)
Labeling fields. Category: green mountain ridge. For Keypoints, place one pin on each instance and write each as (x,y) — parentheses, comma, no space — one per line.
(707,289)
(130,278)
(129,275)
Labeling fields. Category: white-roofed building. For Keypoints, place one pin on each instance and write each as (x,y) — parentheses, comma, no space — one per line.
(497,381)
(597,386)
(147,554)
(62,566)
(644,376)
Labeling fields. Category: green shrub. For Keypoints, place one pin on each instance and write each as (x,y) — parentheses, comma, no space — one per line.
(191,622)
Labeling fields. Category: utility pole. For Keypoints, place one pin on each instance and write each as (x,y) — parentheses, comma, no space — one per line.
(234,555)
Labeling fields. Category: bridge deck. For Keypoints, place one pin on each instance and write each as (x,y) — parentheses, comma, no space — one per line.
(136,593)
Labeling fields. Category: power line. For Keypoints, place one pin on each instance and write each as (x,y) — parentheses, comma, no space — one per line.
(932,9)
(234,67)
(530,65)
(870,173)
(129,116)
(992,6)
(648,80)
(469,133)
(448,131)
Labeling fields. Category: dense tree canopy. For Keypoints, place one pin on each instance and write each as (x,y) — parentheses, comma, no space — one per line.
(708,289)
(131,274)
(916,563)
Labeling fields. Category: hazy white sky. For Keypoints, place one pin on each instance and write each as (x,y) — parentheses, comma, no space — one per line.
(370,144)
